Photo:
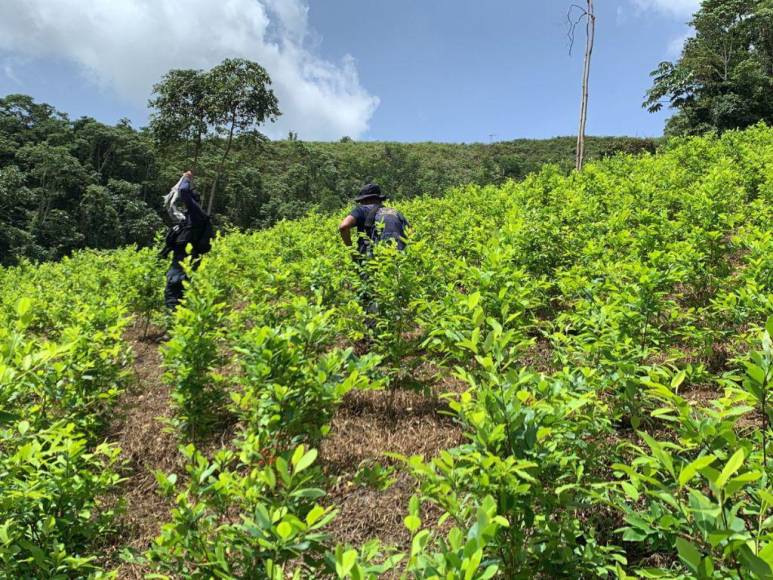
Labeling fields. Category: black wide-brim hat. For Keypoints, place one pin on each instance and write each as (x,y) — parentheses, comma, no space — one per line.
(368,191)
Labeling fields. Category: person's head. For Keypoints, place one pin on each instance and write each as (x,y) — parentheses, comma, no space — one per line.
(188,174)
(369,194)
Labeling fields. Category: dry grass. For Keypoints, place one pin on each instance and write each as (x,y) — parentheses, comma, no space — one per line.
(366,426)
(539,356)
(139,428)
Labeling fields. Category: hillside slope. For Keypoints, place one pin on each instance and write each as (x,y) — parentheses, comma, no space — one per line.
(67,185)
(566,377)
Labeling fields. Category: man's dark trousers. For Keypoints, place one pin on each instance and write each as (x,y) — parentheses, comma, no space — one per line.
(175,277)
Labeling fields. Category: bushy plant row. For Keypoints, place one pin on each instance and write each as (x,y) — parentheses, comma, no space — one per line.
(609,328)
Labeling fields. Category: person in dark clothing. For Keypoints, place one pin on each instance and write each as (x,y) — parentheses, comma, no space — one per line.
(193,229)
(374,222)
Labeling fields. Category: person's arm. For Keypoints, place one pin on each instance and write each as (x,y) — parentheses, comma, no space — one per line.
(345,229)
(195,212)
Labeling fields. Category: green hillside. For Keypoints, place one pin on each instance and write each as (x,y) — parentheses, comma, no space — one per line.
(567,377)
(269,181)
(72,184)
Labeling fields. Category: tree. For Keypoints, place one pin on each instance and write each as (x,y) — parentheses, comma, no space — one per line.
(181,109)
(239,99)
(56,176)
(112,152)
(15,199)
(588,13)
(99,219)
(724,77)
(25,122)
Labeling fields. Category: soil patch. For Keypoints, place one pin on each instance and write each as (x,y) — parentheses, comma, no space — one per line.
(367,425)
(147,445)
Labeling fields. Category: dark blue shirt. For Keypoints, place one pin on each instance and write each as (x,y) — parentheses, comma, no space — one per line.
(195,215)
(396,225)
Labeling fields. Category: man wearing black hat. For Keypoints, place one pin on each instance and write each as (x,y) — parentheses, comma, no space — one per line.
(374,222)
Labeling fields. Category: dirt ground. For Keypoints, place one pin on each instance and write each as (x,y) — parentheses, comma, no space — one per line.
(366,426)
(147,444)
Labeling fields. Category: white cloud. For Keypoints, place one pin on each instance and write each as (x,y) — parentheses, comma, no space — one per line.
(127,45)
(674,8)
(9,70)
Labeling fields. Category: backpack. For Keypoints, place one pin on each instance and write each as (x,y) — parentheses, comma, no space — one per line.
(385,223)
(180,235)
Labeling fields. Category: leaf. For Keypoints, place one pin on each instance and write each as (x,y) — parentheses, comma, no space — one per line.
(630,490)
(297,454)
(754,563)
(412,522)
(23,427)
(755,373)
(766,554)
(766,497)
(678,380)
(741,481)
(314,515)
(284,530)
(707,568)
(769,326)
(348,559)
(309,493)
(693,468)
(659,452)
(733,465)
(23,307)
(689,554)
(419,542)
(304,462)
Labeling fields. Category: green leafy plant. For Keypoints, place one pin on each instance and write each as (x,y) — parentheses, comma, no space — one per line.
(279,528)
(191,358)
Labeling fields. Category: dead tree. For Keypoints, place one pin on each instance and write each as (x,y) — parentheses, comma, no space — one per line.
(588,14)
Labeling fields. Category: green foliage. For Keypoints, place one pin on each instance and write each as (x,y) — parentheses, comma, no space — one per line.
(192,355)
(724,77)
(51,506)
(232,98)
(280,527)
(66,185)
(54,473)
(603,336)
(290,387)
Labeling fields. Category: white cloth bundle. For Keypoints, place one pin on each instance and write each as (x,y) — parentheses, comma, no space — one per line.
(170,202)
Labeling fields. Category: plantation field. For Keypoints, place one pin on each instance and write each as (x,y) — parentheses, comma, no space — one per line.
(566,377)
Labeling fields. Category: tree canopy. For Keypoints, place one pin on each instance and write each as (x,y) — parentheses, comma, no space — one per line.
(724,77)
(232,98)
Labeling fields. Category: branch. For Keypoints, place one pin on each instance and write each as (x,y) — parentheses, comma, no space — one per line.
(573,23)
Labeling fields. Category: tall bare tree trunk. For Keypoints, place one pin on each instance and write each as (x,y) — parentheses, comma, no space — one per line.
(590,36)
(196,152)
(221,165)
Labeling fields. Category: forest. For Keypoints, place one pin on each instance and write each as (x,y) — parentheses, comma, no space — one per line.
(67,185)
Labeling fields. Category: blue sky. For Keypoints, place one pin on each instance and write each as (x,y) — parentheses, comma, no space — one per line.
(404,70)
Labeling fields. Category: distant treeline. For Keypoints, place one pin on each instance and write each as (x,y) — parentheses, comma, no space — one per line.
(69,184)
